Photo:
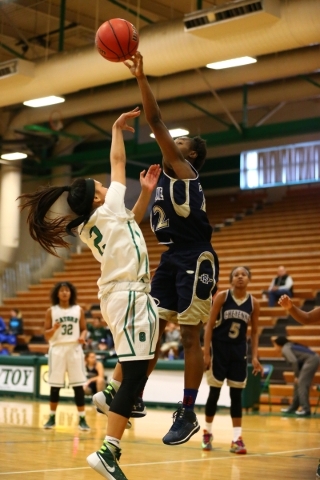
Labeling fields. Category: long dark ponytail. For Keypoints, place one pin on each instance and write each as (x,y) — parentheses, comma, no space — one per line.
(50,233)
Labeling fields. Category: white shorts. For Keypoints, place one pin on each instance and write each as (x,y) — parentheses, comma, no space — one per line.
(134,322)
(66,358)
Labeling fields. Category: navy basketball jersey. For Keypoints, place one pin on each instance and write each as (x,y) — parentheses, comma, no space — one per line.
(178,214)
(232,324)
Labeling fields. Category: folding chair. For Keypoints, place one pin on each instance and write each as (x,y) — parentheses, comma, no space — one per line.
(316,408)
(265,382)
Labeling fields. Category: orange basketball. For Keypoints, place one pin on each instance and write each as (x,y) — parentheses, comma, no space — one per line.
(117,40)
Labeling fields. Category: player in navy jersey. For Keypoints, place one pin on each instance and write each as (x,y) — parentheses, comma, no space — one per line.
(226,335)
(188,272)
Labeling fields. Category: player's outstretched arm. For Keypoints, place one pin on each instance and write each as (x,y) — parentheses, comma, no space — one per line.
(170,151)
(117,152)
(305,318)
(148,181)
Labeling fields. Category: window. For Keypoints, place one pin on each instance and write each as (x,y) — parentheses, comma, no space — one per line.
(288,164)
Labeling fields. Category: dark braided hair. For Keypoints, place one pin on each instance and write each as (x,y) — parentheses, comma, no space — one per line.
(50,233)
(199,145)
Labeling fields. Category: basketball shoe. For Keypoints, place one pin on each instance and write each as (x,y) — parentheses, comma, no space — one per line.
(83,424)
(105,462)
(185,424)
(51,423)
(238,446)
(139,410)
(207,441)
(318,471)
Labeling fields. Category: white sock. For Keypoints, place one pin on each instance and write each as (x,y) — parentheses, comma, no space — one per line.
(237,432)
(115,384)
(113,442)
(208,427)
(82,414)
(52,412)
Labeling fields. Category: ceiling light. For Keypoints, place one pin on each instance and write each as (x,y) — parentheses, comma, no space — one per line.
(233,62)
(42,102)
(14,156)
(175,132)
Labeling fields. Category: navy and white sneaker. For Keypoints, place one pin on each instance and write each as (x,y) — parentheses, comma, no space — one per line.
(185,424)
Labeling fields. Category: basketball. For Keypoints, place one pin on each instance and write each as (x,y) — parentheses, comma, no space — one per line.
(117,40)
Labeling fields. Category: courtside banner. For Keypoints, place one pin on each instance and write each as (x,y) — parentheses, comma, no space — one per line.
(15,378)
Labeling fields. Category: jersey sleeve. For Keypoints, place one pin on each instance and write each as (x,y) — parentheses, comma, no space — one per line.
(115,197)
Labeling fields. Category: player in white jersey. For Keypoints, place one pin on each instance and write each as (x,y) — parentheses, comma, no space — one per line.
(65,329)
(116,241)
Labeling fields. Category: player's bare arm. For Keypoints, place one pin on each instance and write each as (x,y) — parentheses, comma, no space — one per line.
(117,152)
(148,182)
(257,367)
(49,329)
(305,318)
(174,163)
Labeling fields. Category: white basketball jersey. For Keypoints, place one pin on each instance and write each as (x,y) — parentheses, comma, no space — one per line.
(117,242)
(69,318)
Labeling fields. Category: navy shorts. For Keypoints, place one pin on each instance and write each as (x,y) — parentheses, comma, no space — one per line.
(229,362)
(184,283)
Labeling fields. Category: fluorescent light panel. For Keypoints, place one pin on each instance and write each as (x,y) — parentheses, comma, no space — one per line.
(175,132)
(42,102)
(14,156)
(233,62)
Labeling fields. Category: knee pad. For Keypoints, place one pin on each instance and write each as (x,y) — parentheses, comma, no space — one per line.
(79,395)
(211,405)
(236,402)
(134,380)
(54,394)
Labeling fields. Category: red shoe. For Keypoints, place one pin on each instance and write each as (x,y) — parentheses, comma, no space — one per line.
(238,447)
(207,441)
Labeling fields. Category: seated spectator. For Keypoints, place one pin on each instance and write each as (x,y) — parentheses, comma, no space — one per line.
(3,330)
(3,350)
(282,284)
(95,374)
(304,363)
(5,335)
(104,350)
(15,322)
(171,340)
(96,331)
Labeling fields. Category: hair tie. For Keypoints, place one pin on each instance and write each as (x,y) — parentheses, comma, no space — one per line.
(66,188)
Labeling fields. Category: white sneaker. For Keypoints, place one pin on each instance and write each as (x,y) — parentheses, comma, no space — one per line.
(102,401)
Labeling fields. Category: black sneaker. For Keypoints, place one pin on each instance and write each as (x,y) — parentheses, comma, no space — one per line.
(139,410)
(51,423)
(288,410)
(185,424)
(318,471)
(83,424)
(105,462)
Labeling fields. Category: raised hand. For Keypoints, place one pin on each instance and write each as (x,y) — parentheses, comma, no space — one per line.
(121,122)
(135,65)
(285,302)
(149,179)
